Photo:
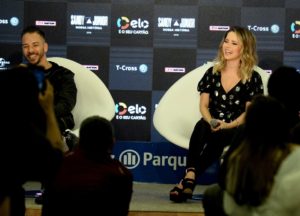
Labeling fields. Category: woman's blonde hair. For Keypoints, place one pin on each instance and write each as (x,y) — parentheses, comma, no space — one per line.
(249,56)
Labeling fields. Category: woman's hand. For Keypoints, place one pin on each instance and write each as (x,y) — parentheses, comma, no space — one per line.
(216,124)
(224,125)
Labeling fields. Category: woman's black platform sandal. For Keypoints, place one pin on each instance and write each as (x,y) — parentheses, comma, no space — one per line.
(176,194)
(188,185)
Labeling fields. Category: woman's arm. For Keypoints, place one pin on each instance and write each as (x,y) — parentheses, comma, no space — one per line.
(204,110)
(237,122)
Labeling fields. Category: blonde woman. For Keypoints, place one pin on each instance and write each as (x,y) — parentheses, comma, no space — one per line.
(225,91)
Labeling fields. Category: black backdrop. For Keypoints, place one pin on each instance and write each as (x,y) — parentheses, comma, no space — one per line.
(139,48)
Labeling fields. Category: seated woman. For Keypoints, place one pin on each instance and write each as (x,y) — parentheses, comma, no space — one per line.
(263,173)
(282,82)
(225,91)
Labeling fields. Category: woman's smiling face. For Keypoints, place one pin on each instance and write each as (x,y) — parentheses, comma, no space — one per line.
(232,47)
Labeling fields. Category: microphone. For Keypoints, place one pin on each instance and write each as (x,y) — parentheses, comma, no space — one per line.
(214,123)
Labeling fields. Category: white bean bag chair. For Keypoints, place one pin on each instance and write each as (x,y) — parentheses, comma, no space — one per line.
(93,97)
(178,109)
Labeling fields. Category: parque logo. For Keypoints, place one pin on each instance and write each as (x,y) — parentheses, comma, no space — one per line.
(130,158)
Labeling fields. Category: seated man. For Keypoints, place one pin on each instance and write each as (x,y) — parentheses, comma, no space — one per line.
(35,47)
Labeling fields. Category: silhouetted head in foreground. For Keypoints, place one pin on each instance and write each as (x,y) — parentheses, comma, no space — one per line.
(96,137)
(284,85)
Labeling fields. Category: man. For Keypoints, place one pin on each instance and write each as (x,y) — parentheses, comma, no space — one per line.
(35,47)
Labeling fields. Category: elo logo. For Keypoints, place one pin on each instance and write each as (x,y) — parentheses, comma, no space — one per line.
(121,106)
(123,22)
(295,27)
(130,158)
(121,109)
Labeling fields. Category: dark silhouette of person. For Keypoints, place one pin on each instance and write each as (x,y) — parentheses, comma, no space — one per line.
(32,146)
(261,173)
(284,84)
(90,181)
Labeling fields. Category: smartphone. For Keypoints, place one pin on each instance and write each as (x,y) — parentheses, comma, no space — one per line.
(40,77)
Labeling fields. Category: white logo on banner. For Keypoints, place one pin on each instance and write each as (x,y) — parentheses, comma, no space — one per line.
(130,158)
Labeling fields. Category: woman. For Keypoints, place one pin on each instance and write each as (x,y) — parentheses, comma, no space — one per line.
(225,91)
(263,173)
(282,82)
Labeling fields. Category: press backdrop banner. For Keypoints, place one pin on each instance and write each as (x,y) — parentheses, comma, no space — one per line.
(139,48)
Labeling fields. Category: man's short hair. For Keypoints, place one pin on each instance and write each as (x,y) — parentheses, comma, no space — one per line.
(33,29)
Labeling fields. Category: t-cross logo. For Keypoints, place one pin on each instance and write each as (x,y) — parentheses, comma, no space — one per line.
(130,158)
(14,21)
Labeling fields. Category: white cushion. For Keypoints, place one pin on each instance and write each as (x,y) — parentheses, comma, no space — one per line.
(93,97)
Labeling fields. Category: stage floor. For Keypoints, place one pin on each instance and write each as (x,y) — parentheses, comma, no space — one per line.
(146,197)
